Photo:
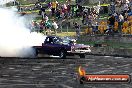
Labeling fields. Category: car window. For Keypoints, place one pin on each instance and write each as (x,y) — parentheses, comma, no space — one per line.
(49,40)
(57,40)
(66,40)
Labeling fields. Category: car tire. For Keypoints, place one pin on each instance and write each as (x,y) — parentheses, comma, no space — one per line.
(36,53)
(62,54)
(82,55)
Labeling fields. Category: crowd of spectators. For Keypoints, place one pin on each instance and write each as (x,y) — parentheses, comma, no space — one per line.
(52,18)
(119,19)
(118,22)
(61,12)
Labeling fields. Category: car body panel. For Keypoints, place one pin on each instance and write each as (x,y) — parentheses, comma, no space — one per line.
(54,45)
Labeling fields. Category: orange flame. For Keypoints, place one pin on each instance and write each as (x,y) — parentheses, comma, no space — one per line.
(81,71)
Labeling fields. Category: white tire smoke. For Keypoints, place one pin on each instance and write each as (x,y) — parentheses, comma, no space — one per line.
(15,39)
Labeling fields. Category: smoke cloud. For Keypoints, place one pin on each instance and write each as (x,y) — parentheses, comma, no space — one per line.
(15,39)
(5,1)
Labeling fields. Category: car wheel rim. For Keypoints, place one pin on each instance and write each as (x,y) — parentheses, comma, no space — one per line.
(62,54)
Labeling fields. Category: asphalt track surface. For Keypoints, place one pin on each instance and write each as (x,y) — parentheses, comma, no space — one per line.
(51,72)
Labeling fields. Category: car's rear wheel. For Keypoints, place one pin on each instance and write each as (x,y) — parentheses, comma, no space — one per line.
(82,55)
(36,53)
(62,54)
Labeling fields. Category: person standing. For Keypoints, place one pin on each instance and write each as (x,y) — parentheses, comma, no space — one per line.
(41,24)
(125,7)
(54,5)
(111,23)
(55,26)
(42,12)
(77,29)
(121,20)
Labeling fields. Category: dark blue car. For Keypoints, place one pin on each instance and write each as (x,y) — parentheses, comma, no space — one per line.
(61,47)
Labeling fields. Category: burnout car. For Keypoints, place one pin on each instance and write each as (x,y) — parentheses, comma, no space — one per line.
(62,47)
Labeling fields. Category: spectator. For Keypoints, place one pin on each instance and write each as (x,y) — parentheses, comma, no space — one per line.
(84,17)
(127,1)
(111,23)
(42,12)
(95,27)
(34,26)
(115,15)
(54,5)
(64,10)
(125,16)
(68,9)
(116,26)
(112,7)
(77,29)
(48,26)
(97,8)
(49,4)
(55,26)
(129,10)
(121,20)
(58,14)
(41,25)
(38,5)
(48,31)
(46,18)
(125,7)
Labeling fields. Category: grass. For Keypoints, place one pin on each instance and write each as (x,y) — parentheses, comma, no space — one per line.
(63,34)
(36,11)
(103,16)
(95,4)
(33,11)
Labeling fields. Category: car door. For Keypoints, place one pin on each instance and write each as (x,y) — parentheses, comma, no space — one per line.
(57,45)
(48,46)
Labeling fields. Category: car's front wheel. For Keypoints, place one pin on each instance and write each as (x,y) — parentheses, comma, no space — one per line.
(62,54)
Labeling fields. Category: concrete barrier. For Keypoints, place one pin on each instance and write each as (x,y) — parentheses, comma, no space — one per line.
(107,50)
(111,51)
(122,39)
